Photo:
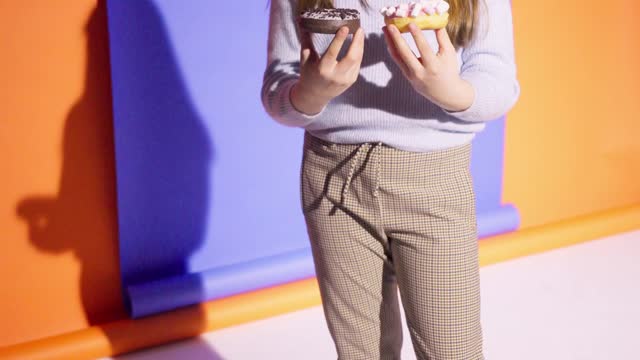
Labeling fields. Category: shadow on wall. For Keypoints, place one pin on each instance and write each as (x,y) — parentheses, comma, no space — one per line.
(82,217)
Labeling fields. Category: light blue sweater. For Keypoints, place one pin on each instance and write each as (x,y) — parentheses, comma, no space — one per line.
(382,106)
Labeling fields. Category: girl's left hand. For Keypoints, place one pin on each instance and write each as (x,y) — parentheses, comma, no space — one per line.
(434,76)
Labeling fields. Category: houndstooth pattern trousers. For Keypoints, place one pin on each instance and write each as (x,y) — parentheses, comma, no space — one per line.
(381,220)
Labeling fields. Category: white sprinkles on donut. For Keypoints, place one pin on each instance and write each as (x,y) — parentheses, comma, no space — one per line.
(416,9)
(331,14)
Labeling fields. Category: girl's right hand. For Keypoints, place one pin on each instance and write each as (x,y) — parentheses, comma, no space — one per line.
(324,78)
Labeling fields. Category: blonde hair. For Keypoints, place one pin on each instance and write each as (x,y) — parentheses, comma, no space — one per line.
(463,16)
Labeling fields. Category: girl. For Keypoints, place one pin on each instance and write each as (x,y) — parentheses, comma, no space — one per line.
(386,187)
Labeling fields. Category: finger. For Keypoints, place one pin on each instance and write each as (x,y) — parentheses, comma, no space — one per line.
(406,55)
(394,52)
(336,44)
(356,51)
(426,53)
(306,47)
(444,41)
(305,55)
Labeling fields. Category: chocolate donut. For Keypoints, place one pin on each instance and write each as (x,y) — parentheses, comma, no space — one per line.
(329,21)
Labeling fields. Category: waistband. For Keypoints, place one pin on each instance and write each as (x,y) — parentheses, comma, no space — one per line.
(444,160)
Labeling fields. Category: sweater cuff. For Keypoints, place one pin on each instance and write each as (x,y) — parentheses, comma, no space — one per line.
(471,113)
(482,108)
(290,115)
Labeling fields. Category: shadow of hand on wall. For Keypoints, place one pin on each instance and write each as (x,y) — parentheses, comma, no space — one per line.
(166,157)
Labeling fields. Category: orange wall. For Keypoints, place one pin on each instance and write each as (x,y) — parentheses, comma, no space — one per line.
(572,146)
(573,140)
(58,264)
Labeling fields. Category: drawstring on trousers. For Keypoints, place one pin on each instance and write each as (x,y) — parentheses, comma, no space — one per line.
(354,164)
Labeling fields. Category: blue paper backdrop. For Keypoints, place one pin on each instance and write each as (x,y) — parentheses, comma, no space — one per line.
(208,193)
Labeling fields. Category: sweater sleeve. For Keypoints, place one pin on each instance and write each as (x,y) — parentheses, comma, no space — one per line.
(283,66)
(488,64)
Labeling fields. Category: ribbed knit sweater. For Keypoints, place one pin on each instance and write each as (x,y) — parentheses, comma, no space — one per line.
(382,106)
